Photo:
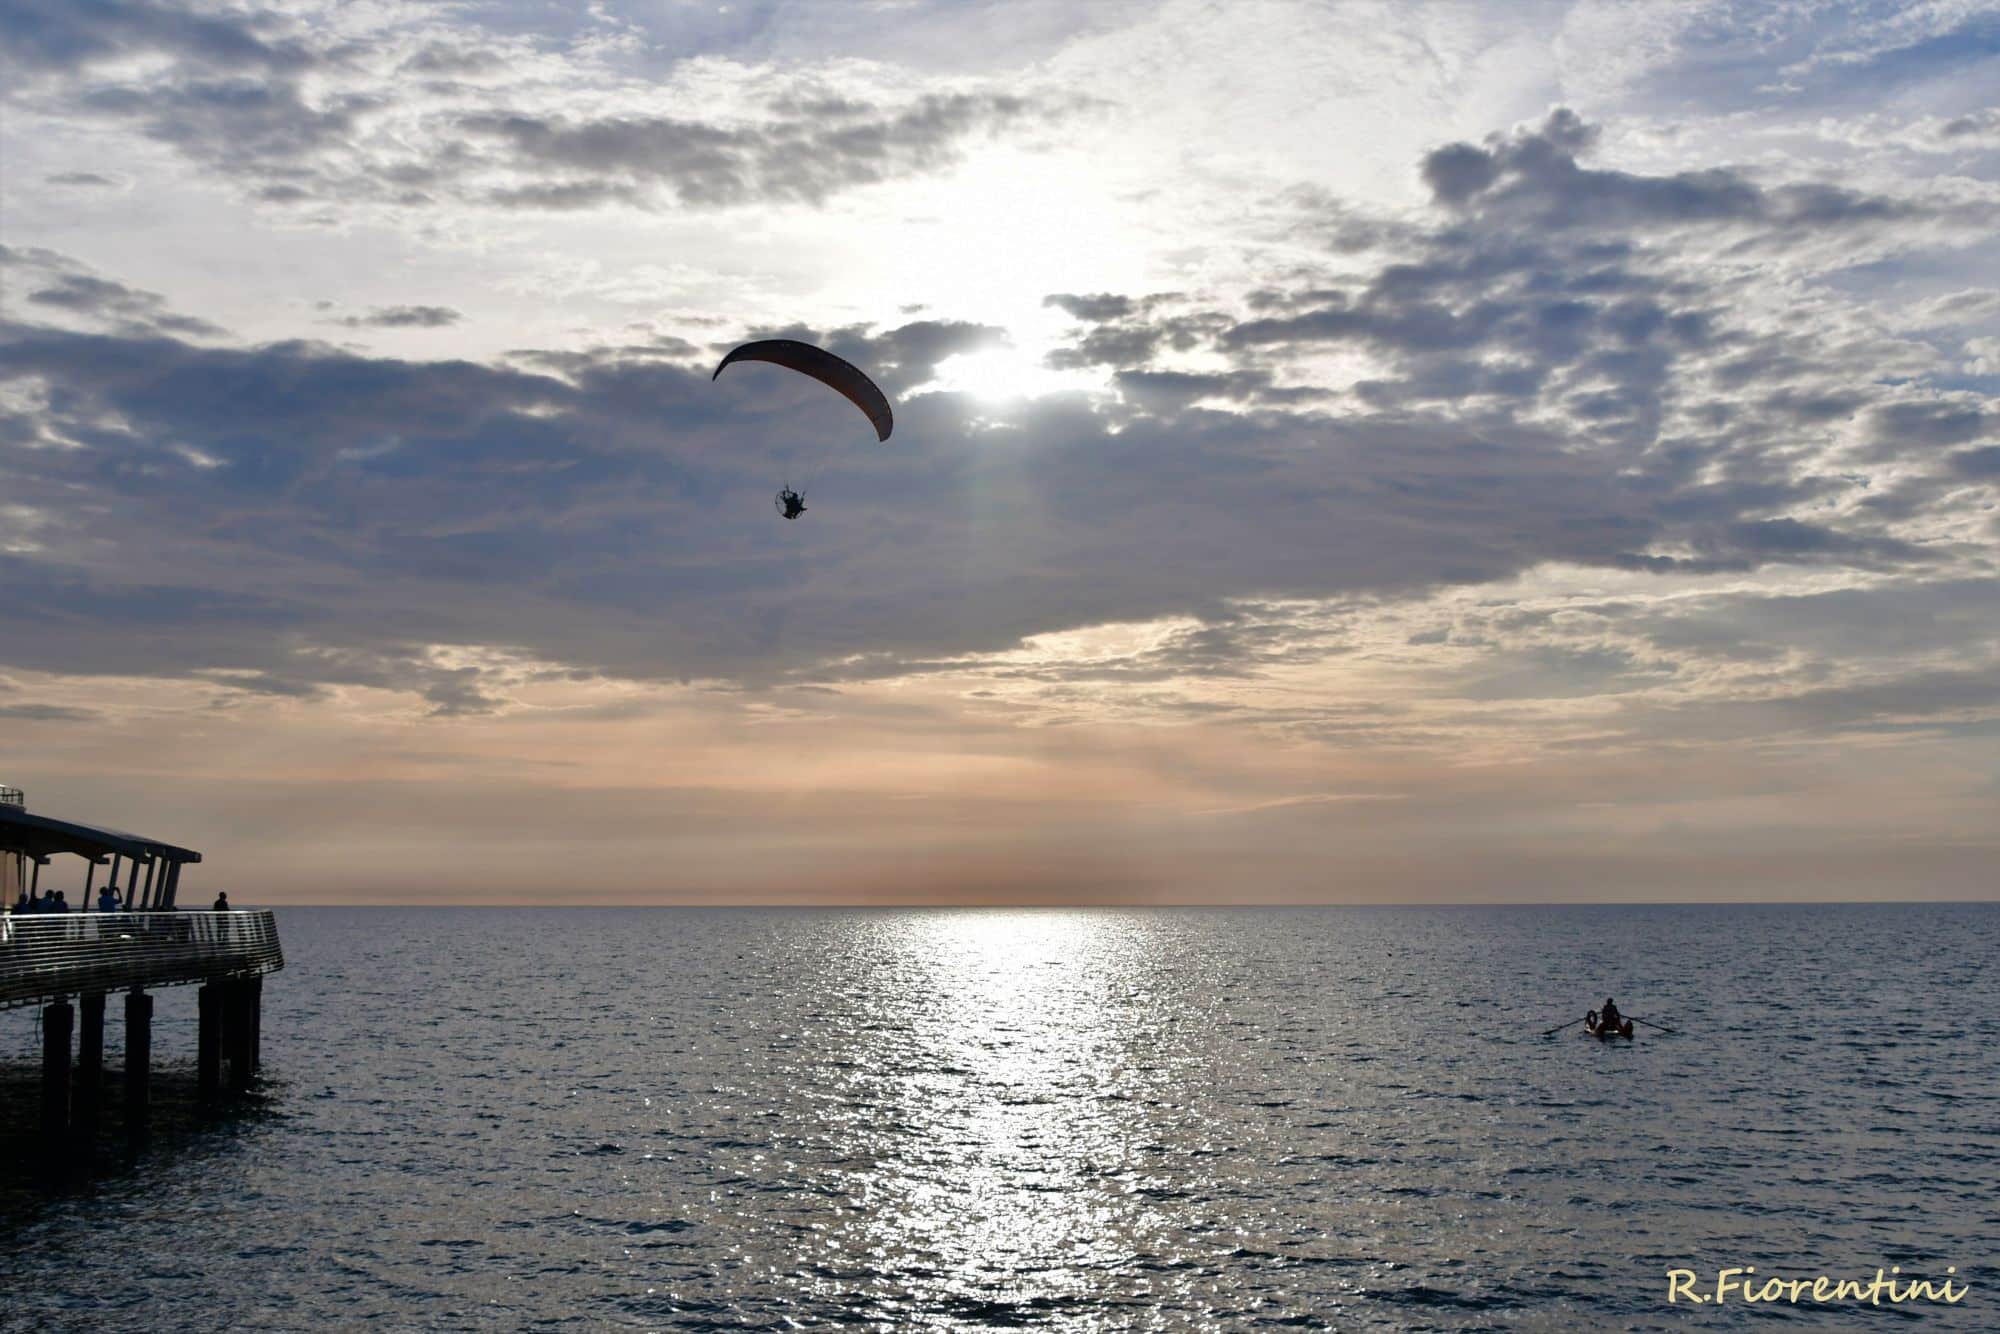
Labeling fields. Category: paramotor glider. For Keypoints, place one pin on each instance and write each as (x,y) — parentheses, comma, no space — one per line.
(843,377)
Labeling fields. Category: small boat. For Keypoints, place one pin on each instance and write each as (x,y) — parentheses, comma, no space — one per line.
(1608,1031)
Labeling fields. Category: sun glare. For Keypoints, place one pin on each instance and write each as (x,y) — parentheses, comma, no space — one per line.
(1004,375)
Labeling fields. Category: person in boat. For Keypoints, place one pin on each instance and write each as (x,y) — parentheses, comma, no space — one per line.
(1608,1017)
(790,503)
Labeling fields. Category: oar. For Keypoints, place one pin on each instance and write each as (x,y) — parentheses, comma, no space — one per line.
(1650,1024)
(1560,1027)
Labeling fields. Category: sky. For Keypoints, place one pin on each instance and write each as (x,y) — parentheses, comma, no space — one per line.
(1345,452)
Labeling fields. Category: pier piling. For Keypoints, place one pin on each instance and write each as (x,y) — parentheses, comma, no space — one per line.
(58,1024)
(256,985)
(236,1033)
(208,1041)
(87,1099)
(138,1063)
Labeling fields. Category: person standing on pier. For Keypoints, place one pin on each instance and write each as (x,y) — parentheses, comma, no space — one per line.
(107,898)
(222,902)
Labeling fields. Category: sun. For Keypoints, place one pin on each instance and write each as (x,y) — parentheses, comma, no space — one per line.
(1005,375)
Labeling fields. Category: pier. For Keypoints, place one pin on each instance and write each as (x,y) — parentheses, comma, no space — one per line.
(69,963)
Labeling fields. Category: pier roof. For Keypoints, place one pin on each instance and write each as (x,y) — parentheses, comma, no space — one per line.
(38,836)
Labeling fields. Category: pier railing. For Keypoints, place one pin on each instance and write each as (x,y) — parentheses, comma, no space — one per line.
(44,956)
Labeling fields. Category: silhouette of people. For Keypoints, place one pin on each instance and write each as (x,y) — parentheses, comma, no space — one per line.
(222,902)
(57,903)
(21,904)
(107,899)
(1609,1016)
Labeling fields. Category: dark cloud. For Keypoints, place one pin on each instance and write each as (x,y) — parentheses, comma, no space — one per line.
(1936,701)
(1166,392)
(1931,423)
(1098,309)
(813,154)
(1860,626)
(225,87)
(566,197)
(63,36)
(438,58)
(46,713)
(1983,463)
(54,282)
(258,128)
(1135,338)
(1533,177)
(278,106)
(1119,345)
(404,317)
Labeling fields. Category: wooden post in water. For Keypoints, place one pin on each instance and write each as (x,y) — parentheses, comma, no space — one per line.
(208,1042)
(58,1023)
(88,1099)
(138,1064)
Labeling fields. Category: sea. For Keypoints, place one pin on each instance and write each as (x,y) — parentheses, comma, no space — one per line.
(1166,1119)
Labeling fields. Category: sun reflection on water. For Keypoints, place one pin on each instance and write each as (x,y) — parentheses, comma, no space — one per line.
(1006,1074)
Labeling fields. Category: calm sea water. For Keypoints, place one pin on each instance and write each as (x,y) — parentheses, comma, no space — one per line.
(1061,1119)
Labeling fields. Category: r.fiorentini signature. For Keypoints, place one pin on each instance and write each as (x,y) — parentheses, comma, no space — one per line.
(1741,1285)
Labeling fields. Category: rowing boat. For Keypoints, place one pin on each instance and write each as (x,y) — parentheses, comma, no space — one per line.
(1607,1031)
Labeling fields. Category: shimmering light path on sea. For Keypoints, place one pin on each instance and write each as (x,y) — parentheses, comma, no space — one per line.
(1073,1120)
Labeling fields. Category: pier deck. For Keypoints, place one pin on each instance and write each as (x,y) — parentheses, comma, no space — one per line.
(47,956)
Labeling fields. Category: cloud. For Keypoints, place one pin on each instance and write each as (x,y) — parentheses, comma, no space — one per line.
(64,36)
(404,317)
(1931,422)
(298,111)
(450,503)
(826,148)
(264,129)
(1971,305)
(54,282)
(1982,463)
(47,713)
(1533,176)
(1098,309)
(1470,399)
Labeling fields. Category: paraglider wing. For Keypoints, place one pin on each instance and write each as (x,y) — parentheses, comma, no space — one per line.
(823,366)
